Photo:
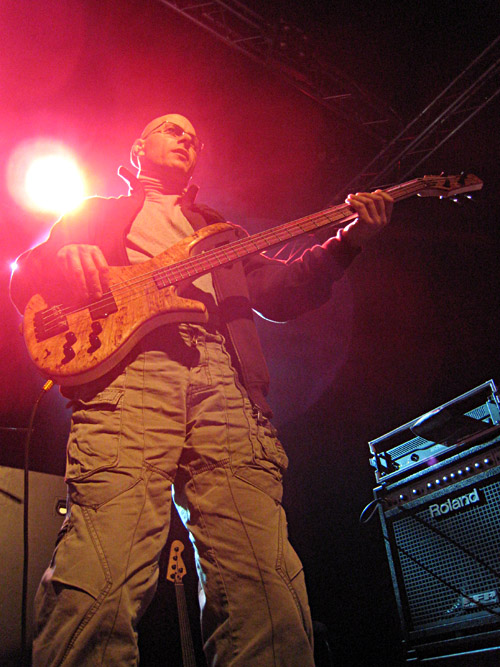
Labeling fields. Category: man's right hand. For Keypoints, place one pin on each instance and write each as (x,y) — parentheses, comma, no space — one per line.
(85,270)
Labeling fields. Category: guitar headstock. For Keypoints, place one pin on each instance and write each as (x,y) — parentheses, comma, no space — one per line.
(176,568)
(449,186)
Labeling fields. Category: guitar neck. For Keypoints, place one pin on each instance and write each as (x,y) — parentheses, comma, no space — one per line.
(335,217)
(188,656)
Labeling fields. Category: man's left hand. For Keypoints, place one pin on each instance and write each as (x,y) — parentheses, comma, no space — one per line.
(374,211)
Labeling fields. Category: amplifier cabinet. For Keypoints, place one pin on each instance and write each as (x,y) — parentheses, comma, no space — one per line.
(442,533)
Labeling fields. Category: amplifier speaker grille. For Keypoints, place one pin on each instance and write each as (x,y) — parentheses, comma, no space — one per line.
(444,554)
(461,558)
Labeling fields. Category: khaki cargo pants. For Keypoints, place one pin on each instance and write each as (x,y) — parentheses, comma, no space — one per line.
(174,418)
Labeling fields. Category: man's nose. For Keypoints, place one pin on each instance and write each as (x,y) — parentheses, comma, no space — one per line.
(186,140)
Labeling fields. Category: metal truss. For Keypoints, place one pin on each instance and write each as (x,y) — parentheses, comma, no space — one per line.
(477,86)
(295,56)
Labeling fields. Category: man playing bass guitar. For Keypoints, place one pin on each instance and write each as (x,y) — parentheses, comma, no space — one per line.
(178,414)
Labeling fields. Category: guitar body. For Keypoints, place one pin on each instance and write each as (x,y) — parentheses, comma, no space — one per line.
(95,339)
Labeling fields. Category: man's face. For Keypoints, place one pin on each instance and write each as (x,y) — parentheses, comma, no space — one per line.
(165,149)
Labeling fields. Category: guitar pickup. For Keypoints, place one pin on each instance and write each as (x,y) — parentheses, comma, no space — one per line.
(49,322)
(104,307)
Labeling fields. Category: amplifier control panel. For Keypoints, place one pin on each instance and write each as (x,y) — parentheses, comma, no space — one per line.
(441,475)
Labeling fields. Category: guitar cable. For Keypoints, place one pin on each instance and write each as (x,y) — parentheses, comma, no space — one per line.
(25,652)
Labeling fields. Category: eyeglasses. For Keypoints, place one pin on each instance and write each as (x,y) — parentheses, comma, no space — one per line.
(174,130)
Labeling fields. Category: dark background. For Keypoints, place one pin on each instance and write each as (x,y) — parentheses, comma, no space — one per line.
(412,325)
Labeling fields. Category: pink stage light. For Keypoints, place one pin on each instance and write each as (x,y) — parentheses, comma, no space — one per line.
(44,177)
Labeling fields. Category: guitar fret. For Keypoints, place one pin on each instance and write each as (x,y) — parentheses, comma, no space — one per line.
(277,234)
(180,273)
(240,251)
(225,253)
(159,278)
(253,242)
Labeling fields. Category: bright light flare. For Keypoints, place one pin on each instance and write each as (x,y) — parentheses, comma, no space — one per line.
(44,177)
(53,183)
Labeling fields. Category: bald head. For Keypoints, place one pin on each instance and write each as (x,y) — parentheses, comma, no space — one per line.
(179,120)
(167,149)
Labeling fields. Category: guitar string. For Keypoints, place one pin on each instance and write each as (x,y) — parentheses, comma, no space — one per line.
(202,260)
(266,236)
(233,246)
(199,262)
(184,625)
(183,270)
(216,252)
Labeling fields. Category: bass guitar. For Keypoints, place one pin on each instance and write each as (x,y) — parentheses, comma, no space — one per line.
(74,345)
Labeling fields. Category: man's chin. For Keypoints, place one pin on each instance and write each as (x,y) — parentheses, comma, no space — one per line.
(175,173)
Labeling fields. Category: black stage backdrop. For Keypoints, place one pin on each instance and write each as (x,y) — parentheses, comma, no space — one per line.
(412,325)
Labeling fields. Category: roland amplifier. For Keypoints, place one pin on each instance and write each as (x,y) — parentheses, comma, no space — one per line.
(441,525)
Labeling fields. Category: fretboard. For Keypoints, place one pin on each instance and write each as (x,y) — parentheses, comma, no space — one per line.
(337,216)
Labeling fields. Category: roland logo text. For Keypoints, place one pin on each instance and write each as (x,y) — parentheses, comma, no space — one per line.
(451,505)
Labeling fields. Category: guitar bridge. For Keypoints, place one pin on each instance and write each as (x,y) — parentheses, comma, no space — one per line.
(49,322)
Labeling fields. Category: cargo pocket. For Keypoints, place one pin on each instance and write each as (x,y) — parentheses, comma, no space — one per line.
(95,434)
(79,563)
(74,586)
(270,448)
(269,460)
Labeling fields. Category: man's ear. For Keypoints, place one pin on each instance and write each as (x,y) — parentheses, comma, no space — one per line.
(136,152)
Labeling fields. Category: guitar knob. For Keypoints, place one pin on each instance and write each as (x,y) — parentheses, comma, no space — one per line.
(69,354)
(96,327)
(95,341)
(70,339)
